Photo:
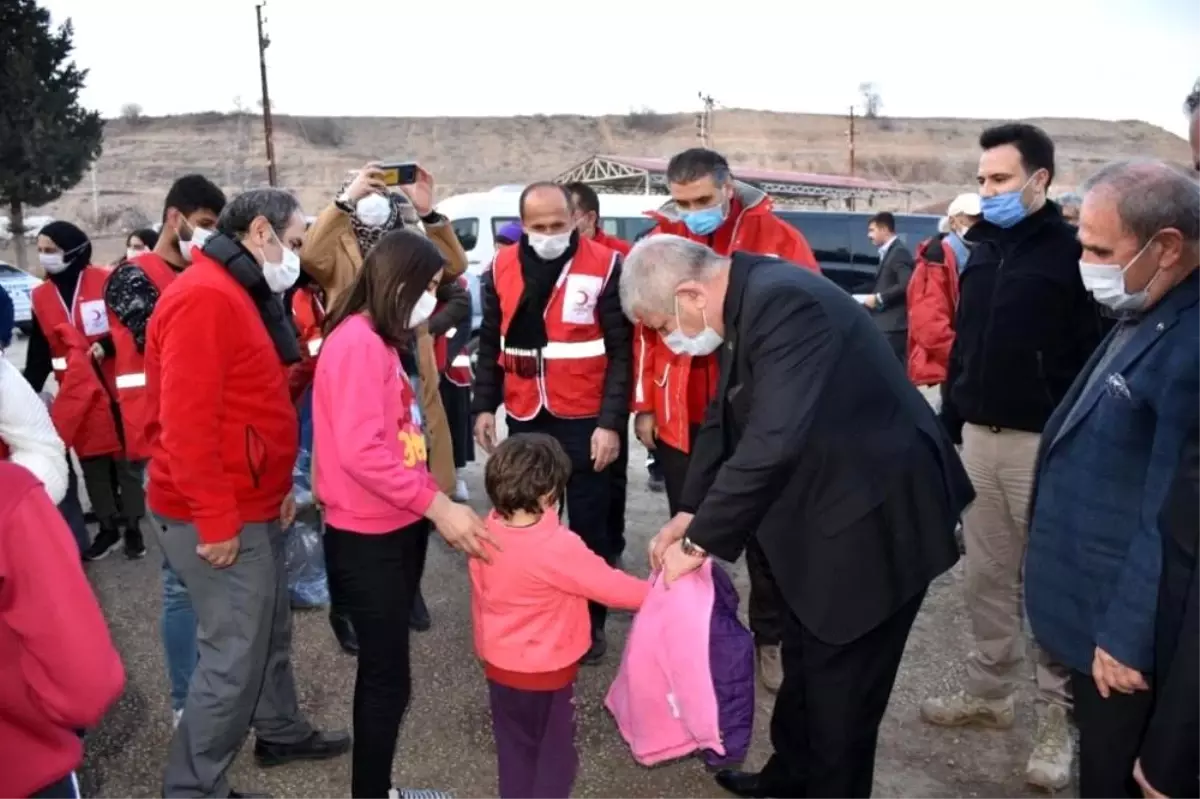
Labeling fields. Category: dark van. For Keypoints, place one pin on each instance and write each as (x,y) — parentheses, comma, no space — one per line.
(839,240)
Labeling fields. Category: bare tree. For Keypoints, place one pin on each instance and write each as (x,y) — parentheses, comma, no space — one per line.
(131,113)
(872,100)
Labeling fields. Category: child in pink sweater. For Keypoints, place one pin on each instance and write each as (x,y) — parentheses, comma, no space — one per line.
(529,606)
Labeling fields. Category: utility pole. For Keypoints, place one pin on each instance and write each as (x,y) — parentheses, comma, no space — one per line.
(851,135)
(263,44)
(704,120)
(95,198)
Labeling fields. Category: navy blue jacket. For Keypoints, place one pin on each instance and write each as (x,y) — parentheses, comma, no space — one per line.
(1095,551)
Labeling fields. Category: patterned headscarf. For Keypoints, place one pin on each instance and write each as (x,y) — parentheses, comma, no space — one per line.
(403,214)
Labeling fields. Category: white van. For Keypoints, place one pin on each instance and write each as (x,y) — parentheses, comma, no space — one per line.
(478,216)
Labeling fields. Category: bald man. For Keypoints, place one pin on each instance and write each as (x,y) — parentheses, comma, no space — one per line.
(557,352)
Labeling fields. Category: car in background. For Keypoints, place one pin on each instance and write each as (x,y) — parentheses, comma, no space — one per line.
(19,286)
(839,240)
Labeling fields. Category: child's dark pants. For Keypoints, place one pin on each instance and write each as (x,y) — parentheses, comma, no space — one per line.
(535,741)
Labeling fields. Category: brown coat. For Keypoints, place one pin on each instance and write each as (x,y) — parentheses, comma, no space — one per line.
(331,257)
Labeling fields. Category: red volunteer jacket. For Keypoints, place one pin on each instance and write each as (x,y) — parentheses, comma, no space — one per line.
(457,371)
(223,431)
(82,408)
(574,360)
(59,670)
(130,366)
(612,242)
(932,303)
(88,313)
(308,314)
(660,376)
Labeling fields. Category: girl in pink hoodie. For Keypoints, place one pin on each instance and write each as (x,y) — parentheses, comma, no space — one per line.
(370,474)
(529,606)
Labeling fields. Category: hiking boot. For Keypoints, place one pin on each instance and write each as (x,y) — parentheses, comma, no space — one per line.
(107,540)
(418,619)
(961,709)
(1049,766)
(770,666)
(135,545)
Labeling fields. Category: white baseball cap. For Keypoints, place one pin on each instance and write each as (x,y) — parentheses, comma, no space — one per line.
(965,204)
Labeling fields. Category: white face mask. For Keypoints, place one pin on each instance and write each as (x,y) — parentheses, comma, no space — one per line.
(52,262)
(422,310)
(1106,282)
(281,275)
(549,246)
(187,248)
(374,210)
(131,253)
(703,343)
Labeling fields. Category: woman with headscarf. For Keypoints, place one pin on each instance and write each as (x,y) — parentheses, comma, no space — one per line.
(71,316)
(334,248)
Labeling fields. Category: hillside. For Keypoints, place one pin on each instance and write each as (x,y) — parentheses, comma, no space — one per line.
(937,156)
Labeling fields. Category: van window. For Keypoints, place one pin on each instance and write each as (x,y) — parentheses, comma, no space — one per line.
(467,231)
(827,234)
(634,226)
(610,226)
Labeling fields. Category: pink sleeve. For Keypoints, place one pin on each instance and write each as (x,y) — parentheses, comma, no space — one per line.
(574,568)
(358,363)
(66,656)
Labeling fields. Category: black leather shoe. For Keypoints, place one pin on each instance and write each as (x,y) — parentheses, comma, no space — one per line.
(343,630)
(597,650)
(318,746)
(743,783)
(419,620)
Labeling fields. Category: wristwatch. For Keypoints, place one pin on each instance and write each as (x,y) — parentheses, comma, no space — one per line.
(691,550)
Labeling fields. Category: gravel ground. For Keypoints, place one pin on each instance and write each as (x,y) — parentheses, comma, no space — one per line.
(446,740)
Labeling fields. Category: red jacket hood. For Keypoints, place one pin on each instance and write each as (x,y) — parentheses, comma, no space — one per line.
(753,200)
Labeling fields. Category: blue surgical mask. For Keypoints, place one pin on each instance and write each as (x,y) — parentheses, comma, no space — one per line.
(1007,209)
(704,221)
(703,343)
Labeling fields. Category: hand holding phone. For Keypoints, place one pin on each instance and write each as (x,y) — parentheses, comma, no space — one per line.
(400,173)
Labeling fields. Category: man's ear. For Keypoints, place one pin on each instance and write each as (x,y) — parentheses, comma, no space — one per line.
(1171,246)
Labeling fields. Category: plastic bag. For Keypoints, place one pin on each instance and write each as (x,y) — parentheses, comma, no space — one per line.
(305,554)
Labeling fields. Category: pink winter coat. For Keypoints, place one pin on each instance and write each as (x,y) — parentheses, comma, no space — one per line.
(686,681)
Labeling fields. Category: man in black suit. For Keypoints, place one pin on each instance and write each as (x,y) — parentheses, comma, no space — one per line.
(817,444)
(1168,763)
(888,303)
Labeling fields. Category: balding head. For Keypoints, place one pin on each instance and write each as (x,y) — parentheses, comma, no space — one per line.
(1142,216)
(545,208)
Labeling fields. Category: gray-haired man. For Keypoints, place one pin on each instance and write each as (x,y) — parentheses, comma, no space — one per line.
(223,438)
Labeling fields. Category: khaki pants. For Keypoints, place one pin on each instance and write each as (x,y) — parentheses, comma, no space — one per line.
(1001,464)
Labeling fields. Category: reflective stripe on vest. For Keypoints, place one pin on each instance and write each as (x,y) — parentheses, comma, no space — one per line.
(131,380)
(461,362)
(565,350)
(314,346)
(58,364)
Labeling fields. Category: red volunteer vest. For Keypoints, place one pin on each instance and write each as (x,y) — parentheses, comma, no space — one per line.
(457,371)
(88,314)
(309,314)
(570,380)
(130,363)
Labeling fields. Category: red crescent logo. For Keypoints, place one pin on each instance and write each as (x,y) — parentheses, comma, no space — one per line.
(584,298)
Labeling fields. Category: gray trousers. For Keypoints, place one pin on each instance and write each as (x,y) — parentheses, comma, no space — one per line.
(244,674)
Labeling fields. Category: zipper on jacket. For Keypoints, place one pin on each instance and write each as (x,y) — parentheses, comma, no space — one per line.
(987,329)
(663,386)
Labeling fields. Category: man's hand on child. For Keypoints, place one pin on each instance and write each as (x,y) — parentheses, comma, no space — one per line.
(677,563)
(671,533)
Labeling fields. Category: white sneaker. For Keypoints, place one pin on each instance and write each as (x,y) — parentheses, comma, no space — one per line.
(176,716)
(1049,766)
(409,793)
(461,494)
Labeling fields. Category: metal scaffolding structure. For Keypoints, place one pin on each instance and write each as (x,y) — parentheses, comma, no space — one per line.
(619,174)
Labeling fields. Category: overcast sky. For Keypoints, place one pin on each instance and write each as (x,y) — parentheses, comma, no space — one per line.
(1102,59)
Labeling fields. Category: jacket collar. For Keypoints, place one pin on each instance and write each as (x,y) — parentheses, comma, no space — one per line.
(1149,329)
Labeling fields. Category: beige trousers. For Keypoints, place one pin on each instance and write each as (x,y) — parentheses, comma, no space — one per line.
(1001,464)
